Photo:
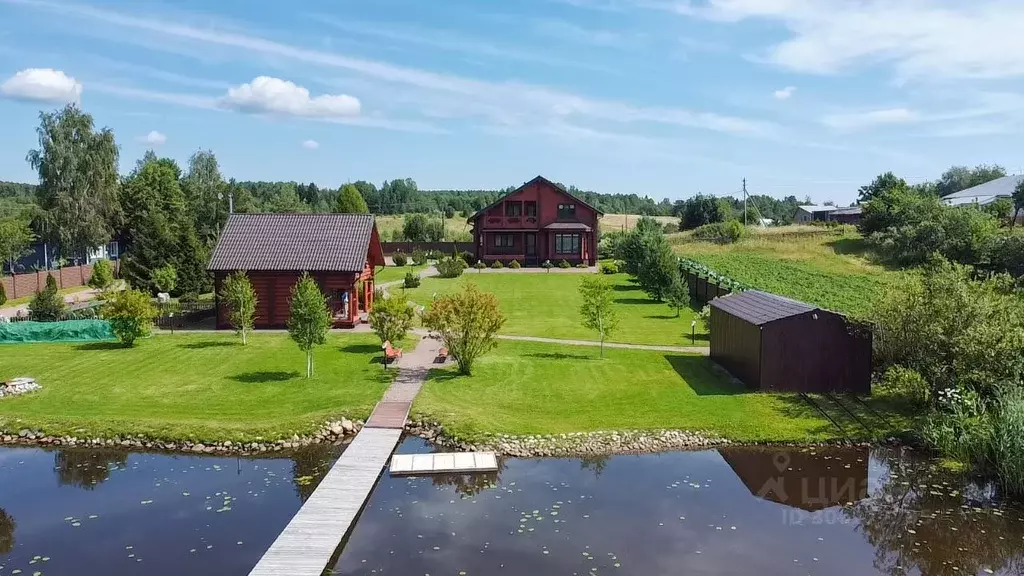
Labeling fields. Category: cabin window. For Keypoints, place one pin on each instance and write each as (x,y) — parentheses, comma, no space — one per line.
(567,243)
(513,209)
(566,211)
(503,240)
(531,209)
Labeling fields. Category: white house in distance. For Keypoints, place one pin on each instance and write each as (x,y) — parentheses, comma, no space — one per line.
(987,193)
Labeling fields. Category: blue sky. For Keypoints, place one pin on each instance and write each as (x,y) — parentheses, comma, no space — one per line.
(657,97)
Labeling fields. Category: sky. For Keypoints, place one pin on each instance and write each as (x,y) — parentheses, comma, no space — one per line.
(666,98)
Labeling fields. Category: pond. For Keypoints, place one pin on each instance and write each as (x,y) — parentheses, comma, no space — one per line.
(729,511)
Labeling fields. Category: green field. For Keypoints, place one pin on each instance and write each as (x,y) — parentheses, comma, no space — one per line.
(826,270)
(528,388)
(394,273)
(547,304)
(192,386)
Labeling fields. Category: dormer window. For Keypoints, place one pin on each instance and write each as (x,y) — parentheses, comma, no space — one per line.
(566,211)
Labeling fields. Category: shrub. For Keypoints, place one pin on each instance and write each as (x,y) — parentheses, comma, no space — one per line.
(514,264)
(3,295)
(48,305)
(130,313)
(564,264)
(391,318)
(419,257)
(239,296)
(547,265)
(959,428)
(399,259)
(721,232)
(904,383)
(608,268)
(467,322)
(582,265)
(411,280)
(434,254)
(450,267)
(497,264)
(670,228)
(165,278)
(102,277)
(468,257)
(480,265)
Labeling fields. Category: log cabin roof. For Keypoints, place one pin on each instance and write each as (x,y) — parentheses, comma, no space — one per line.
(297,242)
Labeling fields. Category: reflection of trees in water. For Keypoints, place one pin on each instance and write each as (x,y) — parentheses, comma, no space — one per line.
(7,526)
(917,520)
(87,468)
(470,484)
(595,464)
(309,466)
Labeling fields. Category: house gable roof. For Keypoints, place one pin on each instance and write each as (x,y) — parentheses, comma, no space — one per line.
(295,242)
(760,308)
(538,179)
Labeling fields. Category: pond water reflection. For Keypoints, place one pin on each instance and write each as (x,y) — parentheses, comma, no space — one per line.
(730,511)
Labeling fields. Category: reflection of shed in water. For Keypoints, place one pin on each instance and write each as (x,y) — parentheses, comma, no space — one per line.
(810,480)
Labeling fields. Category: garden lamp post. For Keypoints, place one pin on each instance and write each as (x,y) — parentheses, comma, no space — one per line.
(693,332)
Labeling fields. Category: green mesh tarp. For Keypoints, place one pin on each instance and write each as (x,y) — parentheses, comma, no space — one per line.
(66,331)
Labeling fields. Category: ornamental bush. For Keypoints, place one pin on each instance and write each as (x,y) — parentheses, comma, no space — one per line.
(547,265)
(48,305)
(411,280)
(564,264)
(514,264)
(102,277)
(497,264)
(130,313)
(608,268)
(3,295)
(450,267)
(480,265)
(419,257)
(399,259)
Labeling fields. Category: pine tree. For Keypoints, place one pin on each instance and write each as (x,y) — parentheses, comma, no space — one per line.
(350,201)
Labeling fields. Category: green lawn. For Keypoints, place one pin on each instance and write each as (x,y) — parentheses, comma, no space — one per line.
(392,273)
(192,386)
(544,304)
(529,388)
(829,271)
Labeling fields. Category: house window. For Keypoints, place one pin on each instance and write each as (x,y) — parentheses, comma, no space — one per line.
(503,240)
(513,209)
(566,211)
(567,244)
(531,209)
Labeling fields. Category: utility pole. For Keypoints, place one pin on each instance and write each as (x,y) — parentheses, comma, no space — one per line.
(744,201)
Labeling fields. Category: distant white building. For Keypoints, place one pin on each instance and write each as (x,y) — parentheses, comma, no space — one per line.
(987,193)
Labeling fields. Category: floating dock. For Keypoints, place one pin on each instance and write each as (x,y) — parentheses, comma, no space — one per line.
(443,463)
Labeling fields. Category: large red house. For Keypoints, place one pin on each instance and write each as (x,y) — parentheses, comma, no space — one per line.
(538,221)
(339,251)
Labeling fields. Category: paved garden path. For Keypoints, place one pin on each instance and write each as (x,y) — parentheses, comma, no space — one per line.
(307,543)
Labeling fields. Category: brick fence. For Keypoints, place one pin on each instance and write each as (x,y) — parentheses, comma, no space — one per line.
(21,285)
(390,248)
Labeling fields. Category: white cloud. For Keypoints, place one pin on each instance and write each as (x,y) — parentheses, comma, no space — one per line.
(42,85)
(872,118)
(785,93)
(310,144)
(920,38)
(267,95)
(154,138)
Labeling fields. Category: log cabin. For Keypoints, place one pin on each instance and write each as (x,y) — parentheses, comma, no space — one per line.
(340,252)
(538,221)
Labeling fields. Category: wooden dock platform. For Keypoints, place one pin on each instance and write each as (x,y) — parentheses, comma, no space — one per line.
(306,545)
(443,463)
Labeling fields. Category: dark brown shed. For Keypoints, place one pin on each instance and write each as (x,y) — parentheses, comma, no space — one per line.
(776,344)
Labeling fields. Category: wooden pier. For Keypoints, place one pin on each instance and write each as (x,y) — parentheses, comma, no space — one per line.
(443,463)
(306,545)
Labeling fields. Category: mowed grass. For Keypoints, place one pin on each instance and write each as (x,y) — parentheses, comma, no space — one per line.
(192,386)
(524,388)
(829,271)
(394,273)
(547,305)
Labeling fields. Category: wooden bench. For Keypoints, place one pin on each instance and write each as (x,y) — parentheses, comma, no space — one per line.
(442,355)
(391,353)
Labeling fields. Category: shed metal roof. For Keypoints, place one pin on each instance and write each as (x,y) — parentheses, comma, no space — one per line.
(810,208)
(294,242)
(1000,187)
(760,308)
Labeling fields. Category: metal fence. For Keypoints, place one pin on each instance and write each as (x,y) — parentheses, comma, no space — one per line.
(182,314)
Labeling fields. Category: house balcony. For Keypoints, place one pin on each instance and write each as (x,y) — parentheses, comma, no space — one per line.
(510,222)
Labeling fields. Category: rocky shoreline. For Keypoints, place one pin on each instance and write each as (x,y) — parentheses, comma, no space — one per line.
(572,444)
(333,432)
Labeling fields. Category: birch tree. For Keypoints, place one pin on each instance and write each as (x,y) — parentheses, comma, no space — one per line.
(309,319)
(598,309)
(240,298)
